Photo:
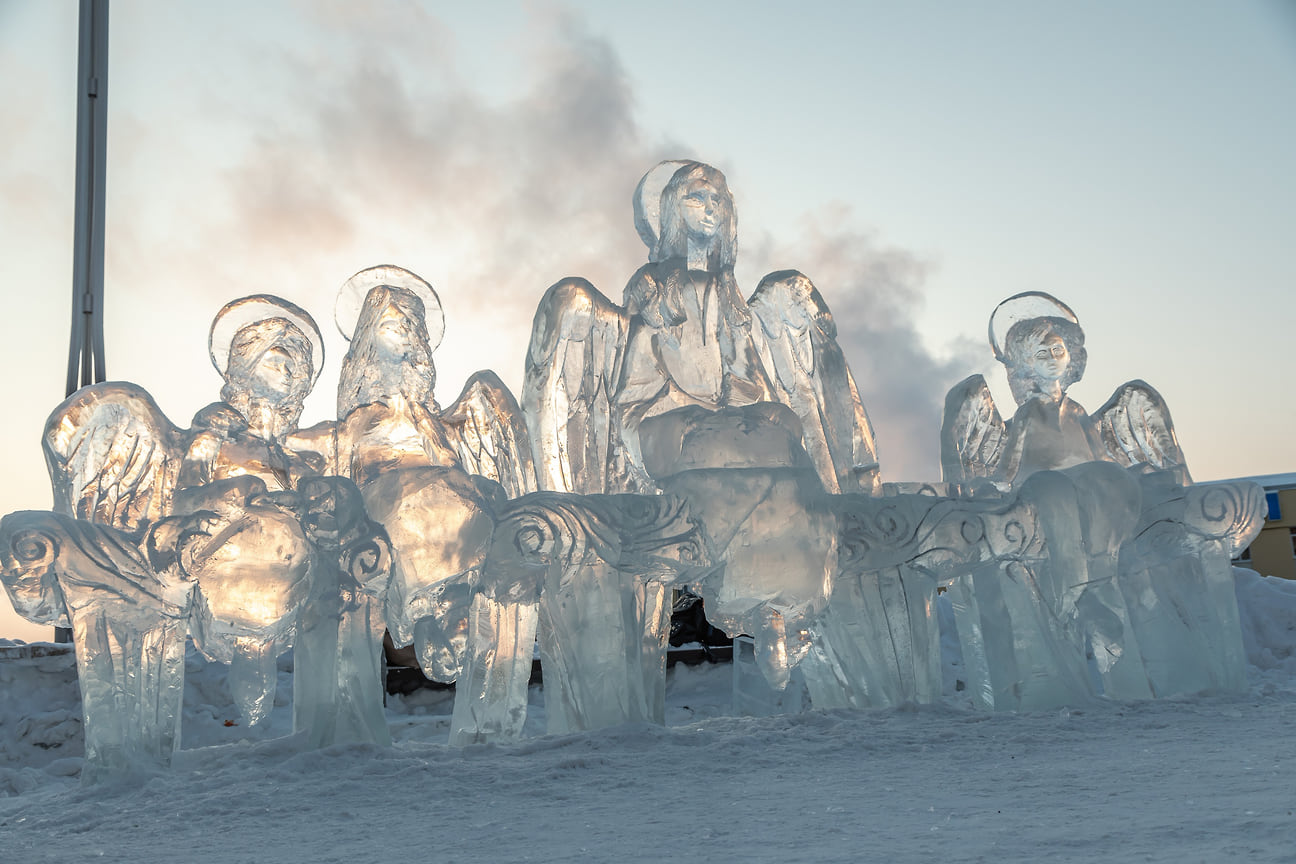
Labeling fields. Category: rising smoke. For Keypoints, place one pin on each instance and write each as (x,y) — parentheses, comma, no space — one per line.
(392,156)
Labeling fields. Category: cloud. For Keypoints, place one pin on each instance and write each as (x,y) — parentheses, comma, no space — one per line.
(364,156)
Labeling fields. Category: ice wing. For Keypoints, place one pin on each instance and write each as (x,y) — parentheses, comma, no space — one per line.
(1134,427)
(573,365)
(486,429)
(972,432)
(810,375)
(113,456)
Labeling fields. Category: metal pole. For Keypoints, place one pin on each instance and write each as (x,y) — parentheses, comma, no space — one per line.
(86,348)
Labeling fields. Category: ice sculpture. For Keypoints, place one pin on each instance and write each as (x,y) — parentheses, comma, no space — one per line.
(598,374)
(585,554)
(236,469)
(685,336)
(411,461)
(128,624)
(765,518)
(1039,341)
(220,531)
(1142,615)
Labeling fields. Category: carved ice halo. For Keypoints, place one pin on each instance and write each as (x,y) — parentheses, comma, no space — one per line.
(1022,307)
(647,199)
(351,297)
(237,314)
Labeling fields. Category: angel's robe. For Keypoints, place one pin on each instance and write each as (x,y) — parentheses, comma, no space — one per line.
(1045,435)
(691,344)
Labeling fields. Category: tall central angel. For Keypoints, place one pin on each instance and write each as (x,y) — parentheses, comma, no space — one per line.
(684,379)
(685,337)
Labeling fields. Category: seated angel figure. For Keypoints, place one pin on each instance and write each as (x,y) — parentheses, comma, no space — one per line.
(388,417)
(429,475)
(1039,340)
(240,467)
(684,337)
(269,353)
(603,381)
(163,531)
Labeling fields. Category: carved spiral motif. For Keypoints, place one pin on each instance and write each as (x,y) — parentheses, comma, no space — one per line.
(1016,537)
(369,559)
(972,530)
(33,548)
(1227,510)
(553,528)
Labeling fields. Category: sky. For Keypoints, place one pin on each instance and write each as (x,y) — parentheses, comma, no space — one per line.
(920,162)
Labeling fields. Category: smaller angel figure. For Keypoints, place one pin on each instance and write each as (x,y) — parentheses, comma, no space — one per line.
(1039,340)
(388,416)
(269,352)
(430,476)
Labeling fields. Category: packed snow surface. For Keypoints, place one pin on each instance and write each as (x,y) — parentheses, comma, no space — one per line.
(1201,778)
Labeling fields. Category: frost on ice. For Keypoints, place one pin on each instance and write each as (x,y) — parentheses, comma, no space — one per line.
(686,437)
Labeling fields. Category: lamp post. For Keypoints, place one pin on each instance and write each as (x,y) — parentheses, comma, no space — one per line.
(86,347)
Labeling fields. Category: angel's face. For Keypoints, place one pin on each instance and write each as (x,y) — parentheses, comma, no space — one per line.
(702,208)
(395,334)
(1050,358)
(274,373)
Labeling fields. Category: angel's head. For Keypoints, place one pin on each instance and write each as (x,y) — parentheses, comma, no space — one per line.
(1044,356)
(390,352)
(697,209)
(269,373)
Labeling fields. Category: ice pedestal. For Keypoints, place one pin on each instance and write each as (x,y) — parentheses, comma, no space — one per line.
(604,565)
(338,682)
(765,518)
(1176,577)
(491,692)
(129,627)
(1043,623)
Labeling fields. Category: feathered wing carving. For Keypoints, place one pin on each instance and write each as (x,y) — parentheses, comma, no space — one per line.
(972,432)
(573,365)
(486,428)
(1134,427)
(811,377)
(113,456)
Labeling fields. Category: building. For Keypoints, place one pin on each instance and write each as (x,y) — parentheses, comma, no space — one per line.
(1273,552)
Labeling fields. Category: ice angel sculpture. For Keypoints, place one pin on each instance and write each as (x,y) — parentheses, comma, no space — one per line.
(599,374)
(1039,341)
(413,461)
(684,337)
(1146,625)
(162,532)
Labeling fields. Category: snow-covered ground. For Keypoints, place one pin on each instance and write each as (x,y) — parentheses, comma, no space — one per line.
(1201,779)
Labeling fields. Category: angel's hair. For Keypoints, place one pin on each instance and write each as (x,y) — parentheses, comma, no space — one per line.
(1019,347)
(248,346)
(365,378)
(672,242)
